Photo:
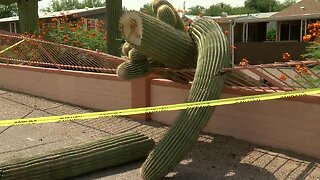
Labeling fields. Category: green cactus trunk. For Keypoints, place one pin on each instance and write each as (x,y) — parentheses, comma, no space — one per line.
(28,15)
(214,55)
(114,11)
(158,40)
(75,161)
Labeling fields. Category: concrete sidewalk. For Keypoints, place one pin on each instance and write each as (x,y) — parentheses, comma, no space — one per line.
(213,157)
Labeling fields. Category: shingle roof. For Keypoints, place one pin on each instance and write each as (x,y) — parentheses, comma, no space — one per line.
(300,9)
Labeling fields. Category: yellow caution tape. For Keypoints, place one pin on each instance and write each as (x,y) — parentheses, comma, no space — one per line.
(16,44)
(173,107)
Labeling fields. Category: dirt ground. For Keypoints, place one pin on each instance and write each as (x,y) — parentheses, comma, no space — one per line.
(213,157)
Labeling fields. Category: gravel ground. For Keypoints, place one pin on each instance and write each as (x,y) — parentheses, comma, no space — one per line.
(213,157)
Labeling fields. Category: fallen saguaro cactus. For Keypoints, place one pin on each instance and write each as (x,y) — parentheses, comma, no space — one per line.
(213,56)
(206,48)
(158,40)
(81,159)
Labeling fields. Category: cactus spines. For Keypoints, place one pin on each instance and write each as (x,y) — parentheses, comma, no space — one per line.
(213,55)
(158,40)
(166,14)
(81,159)
(126,47)
(156,5)
(114,11)
(133,69)
(135,55)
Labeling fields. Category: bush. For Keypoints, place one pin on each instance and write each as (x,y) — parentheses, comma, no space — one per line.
(271,35)
(74,31)
(313,37)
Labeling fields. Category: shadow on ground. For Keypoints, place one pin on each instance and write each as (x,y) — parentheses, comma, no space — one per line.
(219,157)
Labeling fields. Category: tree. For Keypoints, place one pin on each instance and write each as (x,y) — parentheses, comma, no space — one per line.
(8,11)
(284,5)
(196,10)
(261,5)
(218,9)
(241,10)
(64,5)
(147,8)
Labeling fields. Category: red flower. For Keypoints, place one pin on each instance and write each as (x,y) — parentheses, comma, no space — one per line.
(233,47)
(286,56)
(282,77)
(244,62)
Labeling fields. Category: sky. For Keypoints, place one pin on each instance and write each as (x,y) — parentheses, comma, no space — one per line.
(136,4)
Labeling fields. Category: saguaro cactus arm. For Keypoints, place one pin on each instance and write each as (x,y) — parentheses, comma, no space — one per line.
(78,160)
(158,40)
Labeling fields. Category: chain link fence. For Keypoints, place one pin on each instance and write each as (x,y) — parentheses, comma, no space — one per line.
(279,76)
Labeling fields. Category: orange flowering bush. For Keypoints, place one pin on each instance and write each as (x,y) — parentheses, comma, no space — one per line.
(74,31)
(313,37)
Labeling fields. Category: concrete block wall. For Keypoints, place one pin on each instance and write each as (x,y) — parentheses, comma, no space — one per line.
(286,124)
(97,91)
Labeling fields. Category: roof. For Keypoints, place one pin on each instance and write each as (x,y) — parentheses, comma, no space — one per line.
(226,19)
(43,15)
(300,10)
(256,17)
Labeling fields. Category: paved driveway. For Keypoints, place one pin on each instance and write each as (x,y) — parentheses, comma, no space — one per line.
(213,157)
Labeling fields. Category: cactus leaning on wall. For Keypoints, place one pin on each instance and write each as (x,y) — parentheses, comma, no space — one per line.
(207,85)
(206,48)
(78,160)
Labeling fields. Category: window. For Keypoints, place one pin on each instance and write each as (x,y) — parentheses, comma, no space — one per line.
(290,31)
(13,27)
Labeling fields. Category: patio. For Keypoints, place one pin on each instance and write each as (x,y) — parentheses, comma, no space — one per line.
(213,157)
